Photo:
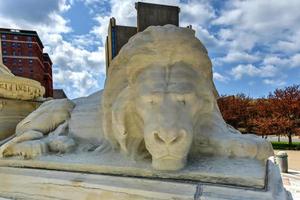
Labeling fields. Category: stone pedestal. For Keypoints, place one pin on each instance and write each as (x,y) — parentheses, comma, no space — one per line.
(12,112)
(22,183)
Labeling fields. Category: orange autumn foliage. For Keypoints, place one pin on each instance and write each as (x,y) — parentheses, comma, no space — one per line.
(278,114)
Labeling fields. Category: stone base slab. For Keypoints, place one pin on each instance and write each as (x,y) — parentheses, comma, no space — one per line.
(12,112)
(233,172)
(38,184)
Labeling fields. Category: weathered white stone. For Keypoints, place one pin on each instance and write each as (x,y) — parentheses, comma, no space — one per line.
(42,121)
(156,117)
(47,117)
(159,100)
(239,172)
(12,112)
(85,122)
(39,184)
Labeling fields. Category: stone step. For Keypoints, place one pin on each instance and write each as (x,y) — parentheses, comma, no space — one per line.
(33,184)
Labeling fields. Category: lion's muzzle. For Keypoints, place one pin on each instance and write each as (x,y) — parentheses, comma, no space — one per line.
(168,147)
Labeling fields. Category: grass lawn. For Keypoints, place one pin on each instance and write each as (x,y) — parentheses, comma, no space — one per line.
(285,146)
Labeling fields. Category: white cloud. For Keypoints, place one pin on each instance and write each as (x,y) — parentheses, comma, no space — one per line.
(45,17)
(268,30)
(34,11)
(219,77)
(270,23)
(250,70)
(234,56)
(275,60)
(277,83)
(287,46)
(263,16)
(76,69)
(295,60)
(284,63)
(261,38)
(196,12)
(229,17)
(76,83)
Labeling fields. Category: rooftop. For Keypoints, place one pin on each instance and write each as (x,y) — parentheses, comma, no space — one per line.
(22,32)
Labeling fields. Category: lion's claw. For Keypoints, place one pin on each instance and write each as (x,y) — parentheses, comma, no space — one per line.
(28,149)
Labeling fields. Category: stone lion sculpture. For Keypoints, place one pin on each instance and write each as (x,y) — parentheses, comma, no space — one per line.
(159,101)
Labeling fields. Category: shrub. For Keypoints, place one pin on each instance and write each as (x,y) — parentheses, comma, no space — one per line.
(285,146)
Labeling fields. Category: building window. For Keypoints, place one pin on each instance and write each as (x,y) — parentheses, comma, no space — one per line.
(18,45)
(20,69)
(29,45)
(13,44)
(14,53)
(3,36)
(20,53)
(4,44)
(4,60)
(30,61)
(29,38)
(15,37)
(20,60)
(29,53)
(14,61)
(4,52)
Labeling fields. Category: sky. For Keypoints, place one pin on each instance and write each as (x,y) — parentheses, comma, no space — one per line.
(254,45)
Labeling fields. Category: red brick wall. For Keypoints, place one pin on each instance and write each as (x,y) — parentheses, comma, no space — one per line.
(48,79)
(23,55)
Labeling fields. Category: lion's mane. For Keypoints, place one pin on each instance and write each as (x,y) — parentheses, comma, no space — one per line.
(167,44)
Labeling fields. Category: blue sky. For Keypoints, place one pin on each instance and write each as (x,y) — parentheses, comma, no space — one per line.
(254,45)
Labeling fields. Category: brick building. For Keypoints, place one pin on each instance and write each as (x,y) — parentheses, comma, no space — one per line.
(147,14)
(22,53)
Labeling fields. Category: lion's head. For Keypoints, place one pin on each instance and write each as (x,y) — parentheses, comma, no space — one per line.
(157,88)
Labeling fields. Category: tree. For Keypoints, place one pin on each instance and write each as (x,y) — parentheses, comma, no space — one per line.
(266,122)
(286,110)
(236,110)
(278,114)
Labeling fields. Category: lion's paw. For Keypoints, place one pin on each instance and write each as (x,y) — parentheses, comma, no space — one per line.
(61,144)
(243,148)
(27,149)
(265,149)
(251,146)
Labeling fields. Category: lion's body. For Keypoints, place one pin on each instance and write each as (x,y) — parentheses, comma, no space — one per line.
(159,99)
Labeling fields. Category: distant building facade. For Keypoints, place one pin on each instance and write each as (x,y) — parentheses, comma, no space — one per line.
(116,38)
(22,53)
(148,14)
(59,94)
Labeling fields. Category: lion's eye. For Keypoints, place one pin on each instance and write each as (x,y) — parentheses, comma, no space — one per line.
(154,99)
(182,101)
(152,102)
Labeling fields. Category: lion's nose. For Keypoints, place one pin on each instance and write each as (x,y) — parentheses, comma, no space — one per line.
(170,137)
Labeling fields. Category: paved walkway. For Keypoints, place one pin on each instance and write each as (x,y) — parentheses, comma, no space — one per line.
(293,159)
(291,182)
